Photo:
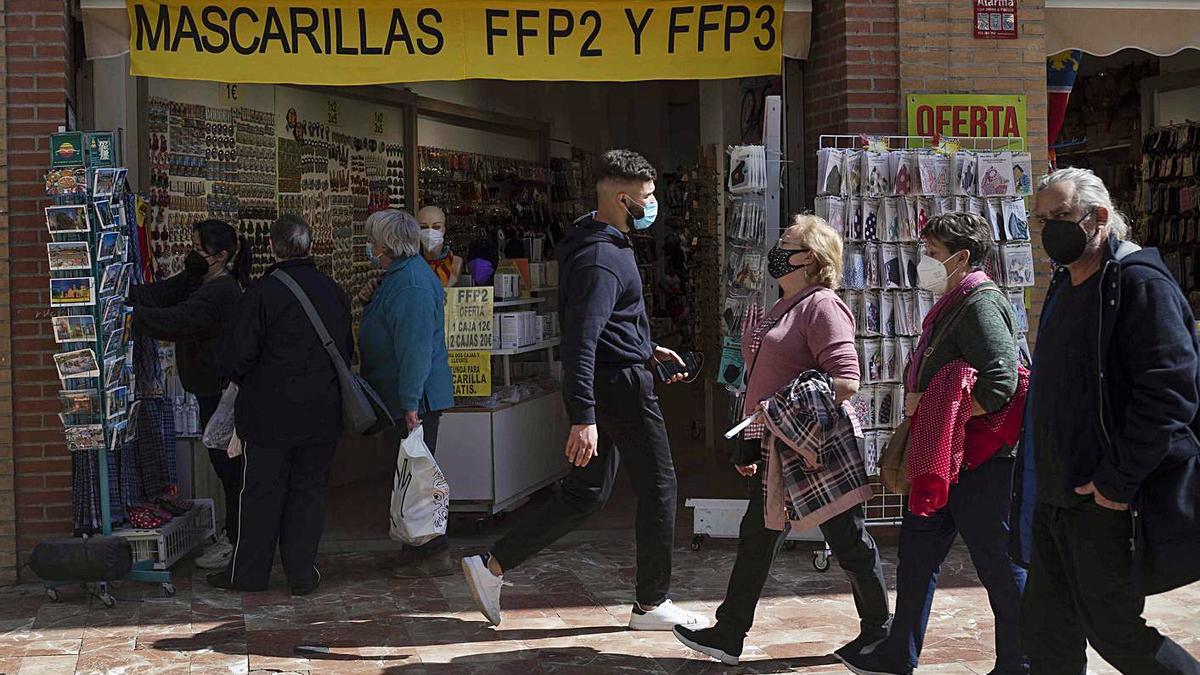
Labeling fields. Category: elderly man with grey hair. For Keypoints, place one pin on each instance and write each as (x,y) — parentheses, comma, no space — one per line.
(404,356)
(1107,482)
(288,414)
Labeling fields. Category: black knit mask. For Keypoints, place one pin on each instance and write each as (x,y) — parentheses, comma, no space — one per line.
(779,263)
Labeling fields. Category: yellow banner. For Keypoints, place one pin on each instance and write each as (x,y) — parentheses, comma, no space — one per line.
(967,115)
(386,41)
(472,373)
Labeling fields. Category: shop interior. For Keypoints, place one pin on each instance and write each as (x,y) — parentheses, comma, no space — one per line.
(509,164)
(1134,118)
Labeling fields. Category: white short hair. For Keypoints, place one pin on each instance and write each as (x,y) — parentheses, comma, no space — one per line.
(1090,193)
(396,231)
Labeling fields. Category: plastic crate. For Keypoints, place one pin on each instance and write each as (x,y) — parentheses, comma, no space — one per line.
(167,544)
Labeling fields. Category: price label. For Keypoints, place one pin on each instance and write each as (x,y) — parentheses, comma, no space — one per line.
(229,94)
(331,113)
(379,123)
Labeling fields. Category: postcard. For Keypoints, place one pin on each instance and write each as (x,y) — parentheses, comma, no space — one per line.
(108,281)
(112,312)
(84,437)
(100,149)
(76,365)
(103,182)
(108,245)
(115,401)
(66,149)
(69,255)
(79,401)
(118,436)
(72,292)
(104,213)
(116,344)
(67,219)
(112,372)
(126,278)
(74,328)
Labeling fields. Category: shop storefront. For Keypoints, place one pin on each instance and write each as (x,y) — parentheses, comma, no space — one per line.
(493,111)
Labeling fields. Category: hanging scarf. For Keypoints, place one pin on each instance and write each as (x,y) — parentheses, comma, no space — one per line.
(941,308)
(443,265)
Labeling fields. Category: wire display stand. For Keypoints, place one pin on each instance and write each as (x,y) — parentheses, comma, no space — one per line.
(887,508)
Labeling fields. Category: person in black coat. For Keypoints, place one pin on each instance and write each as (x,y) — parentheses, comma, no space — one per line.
(288,414)
(195,310)
(1104,510)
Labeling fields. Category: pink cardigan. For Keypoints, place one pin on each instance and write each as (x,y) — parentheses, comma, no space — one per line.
(818,333)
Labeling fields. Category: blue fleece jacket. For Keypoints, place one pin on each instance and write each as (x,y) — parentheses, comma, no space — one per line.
(403,340)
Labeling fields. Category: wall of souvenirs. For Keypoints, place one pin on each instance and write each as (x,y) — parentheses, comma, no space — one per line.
(247,153)
(879,193)
(1170,202)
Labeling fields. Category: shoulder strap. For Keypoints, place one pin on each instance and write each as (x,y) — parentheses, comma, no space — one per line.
(955,314)
(748,369)
(313,317)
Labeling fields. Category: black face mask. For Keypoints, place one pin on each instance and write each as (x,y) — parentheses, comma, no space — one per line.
(1065,240)
(195,264)
(779,263)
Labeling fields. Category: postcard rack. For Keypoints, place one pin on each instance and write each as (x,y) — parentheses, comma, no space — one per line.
(880,205)
(92,263)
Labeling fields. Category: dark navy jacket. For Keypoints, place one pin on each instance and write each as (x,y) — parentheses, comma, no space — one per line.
(1149,376)
(601,310)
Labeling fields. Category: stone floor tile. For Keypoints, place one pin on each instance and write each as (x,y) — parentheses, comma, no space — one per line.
(47,665)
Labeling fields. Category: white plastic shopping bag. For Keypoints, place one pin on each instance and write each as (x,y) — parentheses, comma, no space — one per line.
(420,494)
(235,447)
(219,430)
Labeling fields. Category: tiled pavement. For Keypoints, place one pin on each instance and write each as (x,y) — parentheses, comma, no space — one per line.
(565,613)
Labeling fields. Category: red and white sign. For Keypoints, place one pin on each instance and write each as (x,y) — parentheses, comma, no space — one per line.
(996,19)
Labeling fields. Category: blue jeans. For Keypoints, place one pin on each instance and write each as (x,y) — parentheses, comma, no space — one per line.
(978,509)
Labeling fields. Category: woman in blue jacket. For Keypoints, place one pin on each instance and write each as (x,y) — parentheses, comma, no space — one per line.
(402,341)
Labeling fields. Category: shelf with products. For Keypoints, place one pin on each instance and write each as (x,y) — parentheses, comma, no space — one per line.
(1170,202)
(518,302)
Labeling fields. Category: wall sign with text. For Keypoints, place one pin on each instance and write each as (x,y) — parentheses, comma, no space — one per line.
(385,41)
(996,19)
(967,115)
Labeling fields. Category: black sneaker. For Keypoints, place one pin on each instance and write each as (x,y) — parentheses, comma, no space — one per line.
(869,664)
(711,642)
(222,580)
(865,642)
(308,590)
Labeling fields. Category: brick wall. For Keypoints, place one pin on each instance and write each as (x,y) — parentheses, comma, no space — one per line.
(35,469)
(851,77)
(8,508)
(940,55)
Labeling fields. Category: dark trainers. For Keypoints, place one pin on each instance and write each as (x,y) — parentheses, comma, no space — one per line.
(437,565)
(865,642)
(869,664)
(711,642)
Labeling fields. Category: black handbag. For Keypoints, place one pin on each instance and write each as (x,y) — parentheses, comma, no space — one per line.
(98,558)
(363,411)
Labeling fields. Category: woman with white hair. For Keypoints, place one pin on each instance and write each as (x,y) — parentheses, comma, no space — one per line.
(403,345)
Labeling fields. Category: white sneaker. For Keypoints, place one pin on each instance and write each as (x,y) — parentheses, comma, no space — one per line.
(217,556)
(666,617)
(485,587)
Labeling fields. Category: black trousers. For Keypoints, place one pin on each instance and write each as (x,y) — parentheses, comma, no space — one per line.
(430,422)
(851,544)
(632,430)
(228,469)
(283,500)
(1080,591)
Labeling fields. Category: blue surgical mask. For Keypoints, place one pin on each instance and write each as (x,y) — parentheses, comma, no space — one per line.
(375,262)
(649,212)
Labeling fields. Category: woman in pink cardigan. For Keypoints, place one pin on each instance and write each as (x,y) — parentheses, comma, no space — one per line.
(808,328)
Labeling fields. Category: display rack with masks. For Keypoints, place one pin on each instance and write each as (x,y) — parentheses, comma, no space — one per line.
(879,193)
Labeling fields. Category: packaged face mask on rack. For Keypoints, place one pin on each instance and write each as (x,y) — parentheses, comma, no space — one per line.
(874,278)
(893,276)
(944,205)
(904,171)
(1016,299)
(995,175)
(1022,167)
(748,220)
(831,208)
(1016,219)
(851,172)
(1018,265)
(829,171)
(964,167)
(993,212)
(871,207)
(876,174)
(873,312)
(935,174)
(747,169)
(887,314)
(908,266)
(855,273)
(891,220)
(854,217)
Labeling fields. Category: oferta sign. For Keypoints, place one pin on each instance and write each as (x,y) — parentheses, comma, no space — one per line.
(381,41)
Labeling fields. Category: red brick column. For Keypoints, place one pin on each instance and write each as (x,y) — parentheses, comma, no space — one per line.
(35,468)
(851,77)
(940,55)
